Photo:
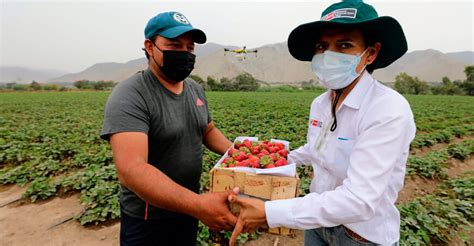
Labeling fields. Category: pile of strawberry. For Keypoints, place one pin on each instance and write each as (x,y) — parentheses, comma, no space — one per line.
(261,154)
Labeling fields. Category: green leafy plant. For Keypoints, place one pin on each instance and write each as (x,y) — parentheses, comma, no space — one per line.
(40,188)
(436,218)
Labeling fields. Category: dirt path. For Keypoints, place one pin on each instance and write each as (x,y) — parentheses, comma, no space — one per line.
(273,240)
(416,186)
(26,223)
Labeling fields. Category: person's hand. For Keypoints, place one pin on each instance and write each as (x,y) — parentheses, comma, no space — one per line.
(252,215)
(214,211)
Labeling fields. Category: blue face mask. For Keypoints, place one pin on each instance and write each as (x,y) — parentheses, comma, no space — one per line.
(336,70)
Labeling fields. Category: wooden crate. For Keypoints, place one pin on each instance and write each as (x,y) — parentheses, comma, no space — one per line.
(265,187)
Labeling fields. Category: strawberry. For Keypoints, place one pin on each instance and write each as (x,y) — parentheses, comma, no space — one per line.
(254,161)
(247,143)
(237,144)
(228,160)
(267,146)
(274,156)
(264,152)
(255,150)
(283,153)
(243,163)
(270,166)
(240,156)
(234,154)
(280,146)
(281,162)
(265,160)
(232,151)
(272,149)
(231,165)
(244,149)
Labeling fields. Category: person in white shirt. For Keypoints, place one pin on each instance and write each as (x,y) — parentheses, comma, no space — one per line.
(359,133)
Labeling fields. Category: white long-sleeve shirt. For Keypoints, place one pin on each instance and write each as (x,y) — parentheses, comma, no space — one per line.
(359,168)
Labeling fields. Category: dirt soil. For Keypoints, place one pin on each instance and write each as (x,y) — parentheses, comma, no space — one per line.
(26,223)
(416,186)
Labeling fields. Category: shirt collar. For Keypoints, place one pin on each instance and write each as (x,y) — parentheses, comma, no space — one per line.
(355,97)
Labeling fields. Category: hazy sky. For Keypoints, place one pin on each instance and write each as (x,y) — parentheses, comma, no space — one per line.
(73,35)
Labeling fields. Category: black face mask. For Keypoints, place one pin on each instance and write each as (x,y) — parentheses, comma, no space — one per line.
(177,64)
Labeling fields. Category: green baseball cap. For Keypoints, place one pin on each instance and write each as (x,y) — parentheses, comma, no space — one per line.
(351,13)
(171,25)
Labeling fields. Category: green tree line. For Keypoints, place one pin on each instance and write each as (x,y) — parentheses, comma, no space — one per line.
(246,82)
(100,85)
(407,84)
(33,86)
(242,82)
(404,84)
(80,84)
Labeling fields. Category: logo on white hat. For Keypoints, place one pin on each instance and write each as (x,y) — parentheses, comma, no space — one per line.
(180,18)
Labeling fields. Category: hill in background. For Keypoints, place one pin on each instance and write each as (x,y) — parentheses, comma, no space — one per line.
(273,64)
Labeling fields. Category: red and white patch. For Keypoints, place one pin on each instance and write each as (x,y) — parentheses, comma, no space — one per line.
(199,102)
(330,16)
(340,13)
(316,123)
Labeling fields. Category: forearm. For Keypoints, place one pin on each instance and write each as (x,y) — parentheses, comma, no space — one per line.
(314,210)
(215,140)
(153,186)
(300,156)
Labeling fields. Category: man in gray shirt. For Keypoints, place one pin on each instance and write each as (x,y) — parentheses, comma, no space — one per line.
(156,122)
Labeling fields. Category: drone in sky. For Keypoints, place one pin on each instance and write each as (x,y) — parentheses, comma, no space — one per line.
(241,52)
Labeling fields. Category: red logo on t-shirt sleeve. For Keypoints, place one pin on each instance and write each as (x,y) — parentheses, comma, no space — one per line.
(199,102)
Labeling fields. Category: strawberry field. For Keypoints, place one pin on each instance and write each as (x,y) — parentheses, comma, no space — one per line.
(49,143)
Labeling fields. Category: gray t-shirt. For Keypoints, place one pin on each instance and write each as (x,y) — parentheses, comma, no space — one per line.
(175,125)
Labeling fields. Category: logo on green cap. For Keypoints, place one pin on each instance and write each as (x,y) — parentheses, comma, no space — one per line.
(340,13)
(180,18)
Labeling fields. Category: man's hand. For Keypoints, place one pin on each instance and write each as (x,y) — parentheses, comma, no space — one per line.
(214,211)
(252,215)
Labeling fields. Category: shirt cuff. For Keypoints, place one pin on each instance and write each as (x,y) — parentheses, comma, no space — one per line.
(292,159)
(280,213)
(299,157)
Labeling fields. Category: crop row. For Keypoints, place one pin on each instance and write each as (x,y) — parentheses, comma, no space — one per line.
(437,218)
(433,163)
(439,112)
(441,136)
